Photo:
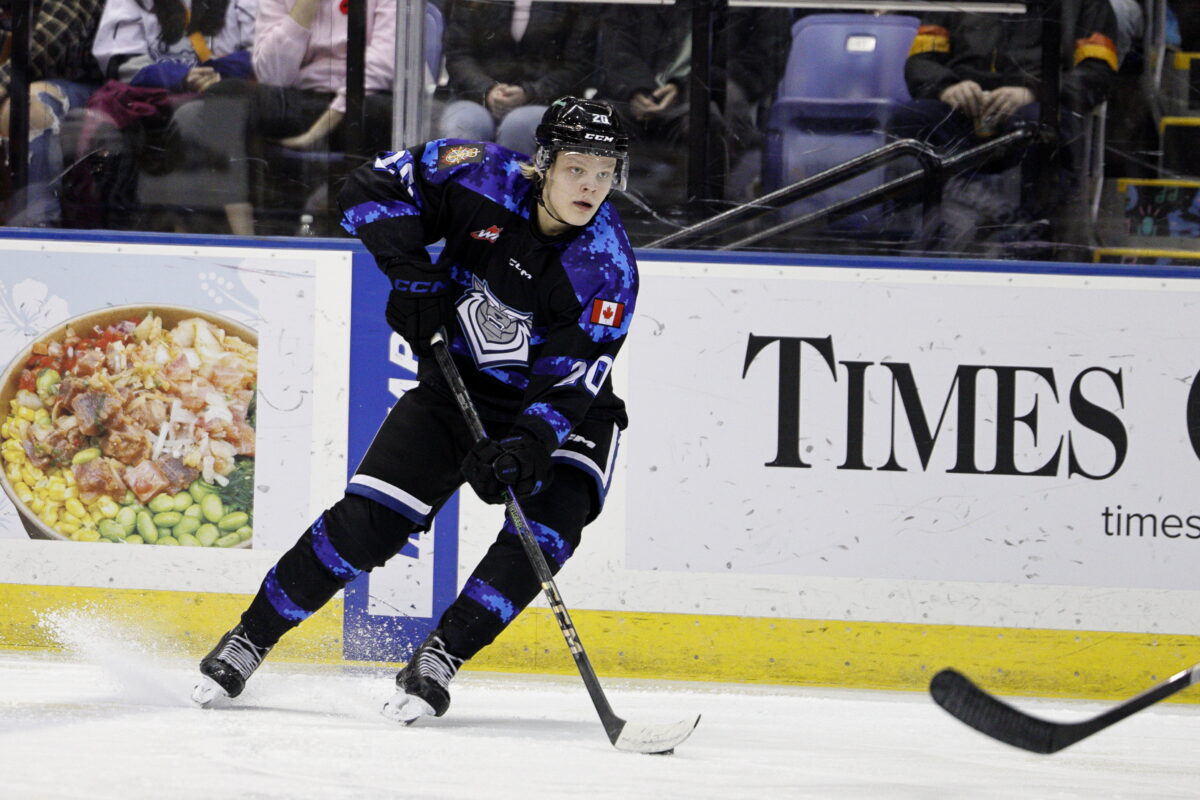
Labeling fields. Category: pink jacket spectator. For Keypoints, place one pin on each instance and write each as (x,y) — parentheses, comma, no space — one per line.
(286,54)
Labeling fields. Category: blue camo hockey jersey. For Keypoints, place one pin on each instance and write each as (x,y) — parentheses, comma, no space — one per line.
(540,319)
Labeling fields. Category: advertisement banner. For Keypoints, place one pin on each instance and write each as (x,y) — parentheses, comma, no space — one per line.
(155,396)
(910,424)
(390,610)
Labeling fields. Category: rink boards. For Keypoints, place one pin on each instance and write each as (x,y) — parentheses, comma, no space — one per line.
(843,472)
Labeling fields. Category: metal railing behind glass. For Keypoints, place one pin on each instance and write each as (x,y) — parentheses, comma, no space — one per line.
(934,170)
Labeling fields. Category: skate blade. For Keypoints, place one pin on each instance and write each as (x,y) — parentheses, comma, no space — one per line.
(206,691)
(406,708)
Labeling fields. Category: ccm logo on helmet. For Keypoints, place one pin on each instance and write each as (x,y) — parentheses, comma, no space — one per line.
(597,137)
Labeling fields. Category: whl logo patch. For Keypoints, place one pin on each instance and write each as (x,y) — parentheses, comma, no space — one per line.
(607,312)
(489,234)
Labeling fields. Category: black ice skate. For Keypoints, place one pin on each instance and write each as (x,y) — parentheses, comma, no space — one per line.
(423,686)
(227,667)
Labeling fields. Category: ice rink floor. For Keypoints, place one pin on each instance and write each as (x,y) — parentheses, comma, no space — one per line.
(104,722)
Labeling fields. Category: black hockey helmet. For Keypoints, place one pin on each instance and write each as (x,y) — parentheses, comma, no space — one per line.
(582,126)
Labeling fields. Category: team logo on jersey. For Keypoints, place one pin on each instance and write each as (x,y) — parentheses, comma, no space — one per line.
(489,234)
(607,312)
(451,155)
(498,334)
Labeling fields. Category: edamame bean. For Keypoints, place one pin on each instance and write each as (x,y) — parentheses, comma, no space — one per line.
(212,508)
(199,489)
(161,502)
(127,518)
(187,525)
(145,525)
(207,534)
(187,540)
(244,532)
(233,520)
(193,512)
(111,529)
(133,538)
(168,540)
(229,540)
(182,501)
(167,519)
(47,382)
(86,455)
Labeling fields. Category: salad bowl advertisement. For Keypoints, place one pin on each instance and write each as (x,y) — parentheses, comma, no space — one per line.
(156,397)
(133,424)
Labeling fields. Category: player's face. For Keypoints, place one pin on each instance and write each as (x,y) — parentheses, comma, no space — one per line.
(576,185)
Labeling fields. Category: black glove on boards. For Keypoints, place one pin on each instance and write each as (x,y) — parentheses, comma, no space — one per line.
(520,462)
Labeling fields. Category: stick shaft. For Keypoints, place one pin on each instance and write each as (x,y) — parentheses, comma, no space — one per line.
(612,723)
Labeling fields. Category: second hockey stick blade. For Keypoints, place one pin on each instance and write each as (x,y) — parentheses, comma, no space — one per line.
(985,713)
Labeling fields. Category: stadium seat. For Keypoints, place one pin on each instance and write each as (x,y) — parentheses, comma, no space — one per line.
(843,80)
(434,31)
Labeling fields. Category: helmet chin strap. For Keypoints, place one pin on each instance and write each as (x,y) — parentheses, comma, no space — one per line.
(541,201)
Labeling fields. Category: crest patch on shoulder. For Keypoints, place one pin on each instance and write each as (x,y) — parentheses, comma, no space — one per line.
(451,155)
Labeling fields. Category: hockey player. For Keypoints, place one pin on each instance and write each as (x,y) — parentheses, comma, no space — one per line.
(536,285)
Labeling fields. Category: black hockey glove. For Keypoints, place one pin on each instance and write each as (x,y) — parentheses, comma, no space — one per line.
(519,461)
(418,306)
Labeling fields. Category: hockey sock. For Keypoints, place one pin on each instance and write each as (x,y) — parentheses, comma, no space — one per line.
(504,582)
(354,536)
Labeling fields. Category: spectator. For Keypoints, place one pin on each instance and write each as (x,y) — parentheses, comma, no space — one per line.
(63,75)
(299,99)
(974,75)
(160,55)
(163,44)
(1130,26)
(987,67)
(507,60)
(646,59)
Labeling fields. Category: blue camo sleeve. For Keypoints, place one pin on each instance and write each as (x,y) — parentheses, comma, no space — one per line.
(577,357)
(388,204)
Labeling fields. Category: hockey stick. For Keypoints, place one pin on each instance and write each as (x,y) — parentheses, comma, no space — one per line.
(622,734)
(982,711)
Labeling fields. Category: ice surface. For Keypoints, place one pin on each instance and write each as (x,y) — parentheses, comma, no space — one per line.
(112,721)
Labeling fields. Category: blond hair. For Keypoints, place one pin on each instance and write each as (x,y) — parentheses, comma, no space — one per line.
(531,173)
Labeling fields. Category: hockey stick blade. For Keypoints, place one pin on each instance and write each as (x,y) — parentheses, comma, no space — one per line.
(654,739)
(954,692)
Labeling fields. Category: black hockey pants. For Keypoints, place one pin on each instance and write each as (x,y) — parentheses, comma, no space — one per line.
(359,533)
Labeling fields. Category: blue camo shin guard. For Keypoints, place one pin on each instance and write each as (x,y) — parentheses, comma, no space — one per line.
(504,582)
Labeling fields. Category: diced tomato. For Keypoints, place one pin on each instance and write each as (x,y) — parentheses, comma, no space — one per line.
(28,381)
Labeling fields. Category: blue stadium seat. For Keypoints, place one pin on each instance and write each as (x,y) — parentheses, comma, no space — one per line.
(434,30)
(844,78)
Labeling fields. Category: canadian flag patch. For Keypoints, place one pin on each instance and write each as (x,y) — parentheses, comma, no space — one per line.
(607,312)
